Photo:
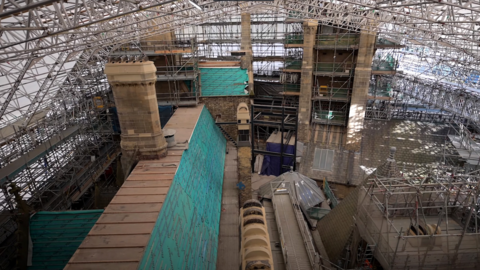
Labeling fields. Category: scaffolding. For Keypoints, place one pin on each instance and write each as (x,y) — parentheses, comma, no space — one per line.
(268,119)
(382,100)
(177,64)
(37,67)
(59,156)
(455,99)
(217,39)
(333,81)
(467,144)
(427,218)
(292,61)
(384,63)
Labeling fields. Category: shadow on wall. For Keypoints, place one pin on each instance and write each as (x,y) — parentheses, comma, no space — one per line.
(417,143)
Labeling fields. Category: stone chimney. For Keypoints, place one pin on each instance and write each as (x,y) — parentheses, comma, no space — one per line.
(133,85)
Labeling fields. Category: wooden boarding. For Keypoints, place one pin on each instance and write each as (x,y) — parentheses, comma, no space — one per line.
(133,208)
(174,153)
(124,218)
(104,266)
(384,72)
(290,93)
(104,241)
(174,51)
(188,116)
(106,255)
(121,229)
(146,183)
(143,191)
(163,165)
(156,170)
(118,239)
(149,177)
(293,45)
(291,70)
(240,52)
(214,64)
(166,159)
(120,199)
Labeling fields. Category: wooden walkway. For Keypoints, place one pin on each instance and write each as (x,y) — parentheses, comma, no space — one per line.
(297,257)
(118,240)
(228,256)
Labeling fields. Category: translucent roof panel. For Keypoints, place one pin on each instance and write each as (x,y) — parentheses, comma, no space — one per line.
(305,189)
(39,37)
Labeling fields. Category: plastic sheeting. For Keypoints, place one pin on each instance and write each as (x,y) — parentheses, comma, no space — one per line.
(223,81)
(272,164)
(268,89)
(306,190)
(57,235)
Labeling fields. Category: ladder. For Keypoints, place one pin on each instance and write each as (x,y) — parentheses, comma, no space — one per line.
(227,135)
(368,257)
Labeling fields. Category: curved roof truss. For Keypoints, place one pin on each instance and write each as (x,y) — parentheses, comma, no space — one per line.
(42,40)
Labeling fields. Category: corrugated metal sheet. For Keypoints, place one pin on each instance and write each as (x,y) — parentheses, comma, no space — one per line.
(57,235)
(223,81)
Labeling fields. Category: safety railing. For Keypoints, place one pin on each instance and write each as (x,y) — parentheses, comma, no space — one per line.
(380,91)
(330,117)
(307,237)
(294,39)
(381,65)
(382,41)
(325,92)
(180,99)
(313,256)
(291,88)
(293,64)
(282,237)
(345,67)
(176,72)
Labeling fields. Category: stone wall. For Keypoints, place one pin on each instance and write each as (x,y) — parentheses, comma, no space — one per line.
(306,82)
(244,157)
(417,143)
(133,86)
(227,108)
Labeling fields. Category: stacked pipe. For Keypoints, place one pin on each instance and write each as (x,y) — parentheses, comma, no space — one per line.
(256,252)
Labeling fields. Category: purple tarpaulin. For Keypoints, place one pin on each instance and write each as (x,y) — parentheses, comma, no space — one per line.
(271,164)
